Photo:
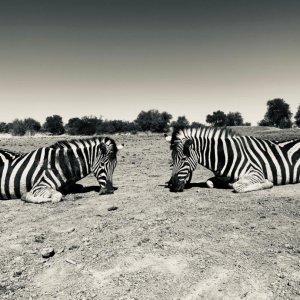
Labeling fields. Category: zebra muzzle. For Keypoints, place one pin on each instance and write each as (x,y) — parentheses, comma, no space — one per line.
(176,185)
(107,189)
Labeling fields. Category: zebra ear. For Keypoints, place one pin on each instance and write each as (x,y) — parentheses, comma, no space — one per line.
(168,138)
(186,147)
(103,148)
(121,146)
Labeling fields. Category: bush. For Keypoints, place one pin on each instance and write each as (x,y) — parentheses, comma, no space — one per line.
(22,127)
(297,117)
(4,128)
(278,114)
(18,127)
(153,120)
(181,123)
(196,124)
(115,126)
(73,125)
(217,119)
(84,126)
(234,119)
(32,126)
(54,125)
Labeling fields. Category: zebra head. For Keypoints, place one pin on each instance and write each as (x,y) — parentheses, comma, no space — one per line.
(105,163)
(184,163)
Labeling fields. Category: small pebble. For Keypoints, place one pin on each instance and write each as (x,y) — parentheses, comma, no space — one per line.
(39,238)
(71,230)
(288,246)
(47,252)
(112,208)
(72,262)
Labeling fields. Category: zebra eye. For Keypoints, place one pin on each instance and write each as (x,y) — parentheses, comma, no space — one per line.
(101,164)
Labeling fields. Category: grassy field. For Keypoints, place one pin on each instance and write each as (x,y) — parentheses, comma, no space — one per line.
(199,244)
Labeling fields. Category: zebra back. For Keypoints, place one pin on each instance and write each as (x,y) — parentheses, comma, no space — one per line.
(232,155)
(64,162)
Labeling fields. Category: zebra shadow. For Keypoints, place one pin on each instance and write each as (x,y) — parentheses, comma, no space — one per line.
(217,185)
(79,189)
(188,185)
(201,185)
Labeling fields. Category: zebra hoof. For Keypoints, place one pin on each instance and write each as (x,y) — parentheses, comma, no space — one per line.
(209,184)
(24,197)
(56,197)
(238,187)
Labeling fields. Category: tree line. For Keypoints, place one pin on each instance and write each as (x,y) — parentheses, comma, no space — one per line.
(278,114)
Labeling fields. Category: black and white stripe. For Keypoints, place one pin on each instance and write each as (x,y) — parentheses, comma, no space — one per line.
(249,163)
(38,176)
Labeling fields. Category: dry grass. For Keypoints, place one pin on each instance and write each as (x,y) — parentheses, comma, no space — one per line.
(199,244)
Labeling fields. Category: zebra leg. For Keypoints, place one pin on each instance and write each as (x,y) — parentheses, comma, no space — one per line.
(249,183)
(44,194)
(219,182)
(45,190)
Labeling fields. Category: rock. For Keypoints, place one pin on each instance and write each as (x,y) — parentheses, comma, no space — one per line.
(280,275)
(73,247)
(70,230)
(288,246)
(17,273)
(47,252)
(72,262)
(112,208)
(145,240)
(40,238)
(61,250)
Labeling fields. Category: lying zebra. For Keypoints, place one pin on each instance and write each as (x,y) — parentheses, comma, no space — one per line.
(41,175)
(244,163)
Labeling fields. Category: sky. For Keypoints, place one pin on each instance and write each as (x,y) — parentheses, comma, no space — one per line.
(114,58)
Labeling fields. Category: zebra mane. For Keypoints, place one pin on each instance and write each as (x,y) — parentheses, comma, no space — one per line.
(14,153)
(63,143)
(190,131)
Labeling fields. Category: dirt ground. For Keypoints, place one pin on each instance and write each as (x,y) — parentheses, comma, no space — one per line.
(144,242)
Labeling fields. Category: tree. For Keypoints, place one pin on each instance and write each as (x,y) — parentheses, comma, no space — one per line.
(89,125)
(264,122)
(54,125)
(73,125)
(217,119)
(4,127)
(181,123)
(32,126)
(234,119)
(196,124)
(278,114)
(84,126)
(297,117)
(153,120)
(107,127)
(18,127)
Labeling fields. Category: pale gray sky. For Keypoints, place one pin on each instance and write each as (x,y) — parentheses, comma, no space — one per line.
(116,58)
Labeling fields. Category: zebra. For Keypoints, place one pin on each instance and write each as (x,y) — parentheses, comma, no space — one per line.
(244,163)
(41,175)
(7,155)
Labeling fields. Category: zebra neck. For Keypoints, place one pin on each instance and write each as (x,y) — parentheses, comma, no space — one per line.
(209,146)
(81,156)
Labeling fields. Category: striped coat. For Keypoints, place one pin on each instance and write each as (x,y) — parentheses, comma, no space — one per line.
(247,162)
(41,175)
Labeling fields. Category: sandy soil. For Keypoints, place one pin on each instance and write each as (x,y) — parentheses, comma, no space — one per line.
(144,242)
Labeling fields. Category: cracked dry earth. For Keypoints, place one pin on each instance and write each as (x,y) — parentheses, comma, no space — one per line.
(144,242)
